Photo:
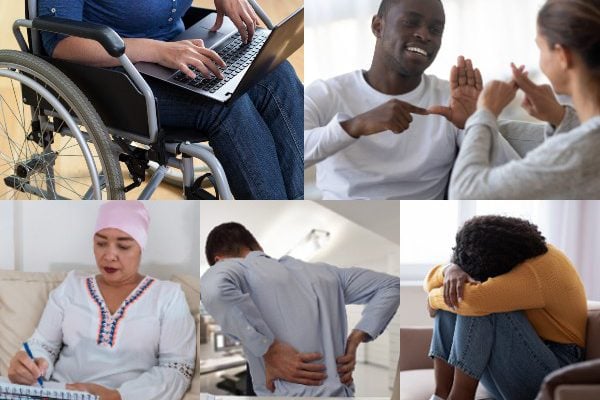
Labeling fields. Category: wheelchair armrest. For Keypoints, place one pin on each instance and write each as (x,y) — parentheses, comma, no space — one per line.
(107,37)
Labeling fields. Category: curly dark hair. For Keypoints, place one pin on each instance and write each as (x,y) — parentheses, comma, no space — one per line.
(229,239)
(492,245)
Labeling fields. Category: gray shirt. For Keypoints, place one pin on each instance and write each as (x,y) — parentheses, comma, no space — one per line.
(517,160)
(258,299)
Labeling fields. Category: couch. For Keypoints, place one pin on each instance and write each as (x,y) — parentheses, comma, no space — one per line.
(416,368)
(23,296)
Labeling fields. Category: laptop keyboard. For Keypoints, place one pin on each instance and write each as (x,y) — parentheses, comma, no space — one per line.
(236,55)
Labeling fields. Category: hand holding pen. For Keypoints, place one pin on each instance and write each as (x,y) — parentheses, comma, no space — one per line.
(24,369)
(28,351)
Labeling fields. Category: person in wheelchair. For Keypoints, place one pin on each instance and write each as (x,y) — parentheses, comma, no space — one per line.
(117,334)
(257,138)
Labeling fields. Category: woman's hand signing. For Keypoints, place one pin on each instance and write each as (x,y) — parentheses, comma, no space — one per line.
(540,101)
(496,96)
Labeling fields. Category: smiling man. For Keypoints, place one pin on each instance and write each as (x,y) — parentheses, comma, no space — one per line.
(352,122)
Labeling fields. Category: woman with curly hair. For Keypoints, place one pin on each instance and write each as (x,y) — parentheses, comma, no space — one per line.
(509,309)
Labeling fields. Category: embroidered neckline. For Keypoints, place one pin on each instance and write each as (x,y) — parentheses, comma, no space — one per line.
(109,323)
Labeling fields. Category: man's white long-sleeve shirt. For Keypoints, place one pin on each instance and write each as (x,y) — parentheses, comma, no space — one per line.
(259,299)
(415,164)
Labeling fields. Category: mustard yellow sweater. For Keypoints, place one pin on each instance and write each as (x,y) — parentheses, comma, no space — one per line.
(546,287)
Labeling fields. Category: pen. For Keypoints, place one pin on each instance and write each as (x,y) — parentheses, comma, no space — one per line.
(28,351)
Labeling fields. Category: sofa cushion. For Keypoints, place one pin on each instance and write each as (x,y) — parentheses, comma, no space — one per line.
(579,373)
(422,385)
(593,333)
(191,288)
(577,392)
(23,296)
(415,338)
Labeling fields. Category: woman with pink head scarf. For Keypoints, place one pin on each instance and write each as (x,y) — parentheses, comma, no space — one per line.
(117,334)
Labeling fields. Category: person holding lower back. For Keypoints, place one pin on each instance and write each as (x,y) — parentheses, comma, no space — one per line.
(290,315)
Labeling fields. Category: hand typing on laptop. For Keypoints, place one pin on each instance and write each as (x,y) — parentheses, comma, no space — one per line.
(185,53)
(241,14)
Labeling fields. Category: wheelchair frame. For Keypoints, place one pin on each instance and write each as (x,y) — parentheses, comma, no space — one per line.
(159,148)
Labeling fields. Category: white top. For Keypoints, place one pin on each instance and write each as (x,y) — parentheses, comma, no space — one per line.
(146,349)
(415,164)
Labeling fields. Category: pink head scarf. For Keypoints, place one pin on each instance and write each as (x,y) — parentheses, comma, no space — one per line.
(128,216)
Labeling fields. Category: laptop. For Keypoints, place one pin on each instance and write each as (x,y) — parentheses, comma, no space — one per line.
(246,63)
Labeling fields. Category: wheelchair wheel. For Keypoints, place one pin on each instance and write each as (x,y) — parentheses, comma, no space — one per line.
(53,144)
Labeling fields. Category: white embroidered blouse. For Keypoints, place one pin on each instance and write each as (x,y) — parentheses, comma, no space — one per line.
(145,350)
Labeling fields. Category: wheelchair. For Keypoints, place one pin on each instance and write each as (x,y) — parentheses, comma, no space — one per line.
(66,129)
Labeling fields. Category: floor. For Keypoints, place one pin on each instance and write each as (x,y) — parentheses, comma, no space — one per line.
(9,11)
(369,379)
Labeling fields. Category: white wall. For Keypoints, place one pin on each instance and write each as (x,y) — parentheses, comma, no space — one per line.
(413,305)
(57,236)
(7,254)
(280,225)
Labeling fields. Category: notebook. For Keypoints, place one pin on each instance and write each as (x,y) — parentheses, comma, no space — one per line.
(53,391)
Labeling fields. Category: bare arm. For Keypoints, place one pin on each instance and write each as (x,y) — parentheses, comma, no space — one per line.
(90,52)
(175,55)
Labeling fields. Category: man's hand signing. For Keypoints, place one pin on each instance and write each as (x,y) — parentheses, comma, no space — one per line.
(465,85)
(393,115)
(284,362)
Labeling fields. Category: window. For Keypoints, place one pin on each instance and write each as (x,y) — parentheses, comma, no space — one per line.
(427,230)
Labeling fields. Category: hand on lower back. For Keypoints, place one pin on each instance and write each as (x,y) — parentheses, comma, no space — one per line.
(347,363)
(284,362)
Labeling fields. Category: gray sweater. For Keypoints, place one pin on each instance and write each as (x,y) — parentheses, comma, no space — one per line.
(518,160)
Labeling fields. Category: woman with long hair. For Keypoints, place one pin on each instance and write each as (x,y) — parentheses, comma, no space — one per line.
(564,162)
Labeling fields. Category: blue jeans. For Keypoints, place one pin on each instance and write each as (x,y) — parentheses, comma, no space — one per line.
(258,138)
(502,350)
